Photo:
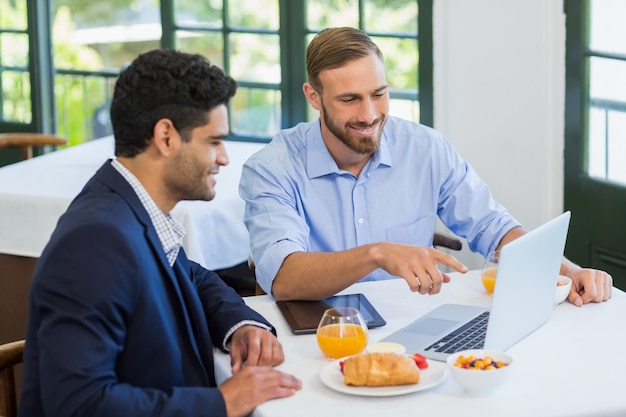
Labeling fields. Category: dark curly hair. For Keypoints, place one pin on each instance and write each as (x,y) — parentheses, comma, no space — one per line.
(168,84)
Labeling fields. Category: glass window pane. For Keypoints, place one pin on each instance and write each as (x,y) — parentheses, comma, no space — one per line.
(83,102)
(607,79)
(407,109)
(331,13)
(260,14)
(208,44)
(617,146)
(198,13)
(16,103)
(607,145)
(607,119)
(390,15)
(596,162)
(13,15)
(401,60)
(255,57)
(255,112)
(608,31)
(14,49)
(88,37)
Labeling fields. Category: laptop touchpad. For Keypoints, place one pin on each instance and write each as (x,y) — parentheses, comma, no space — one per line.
(433,327)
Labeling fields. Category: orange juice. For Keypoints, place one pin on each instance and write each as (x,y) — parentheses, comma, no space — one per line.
(489,279)
(339,340)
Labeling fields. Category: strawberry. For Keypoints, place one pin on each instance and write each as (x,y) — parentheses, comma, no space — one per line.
(341,366)
(420,360)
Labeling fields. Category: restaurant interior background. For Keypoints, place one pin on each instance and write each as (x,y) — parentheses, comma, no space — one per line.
(533,103)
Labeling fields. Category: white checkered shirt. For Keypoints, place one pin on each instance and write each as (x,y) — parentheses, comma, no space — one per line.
(170,232)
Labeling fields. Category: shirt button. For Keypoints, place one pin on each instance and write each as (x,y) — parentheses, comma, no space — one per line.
(361,220)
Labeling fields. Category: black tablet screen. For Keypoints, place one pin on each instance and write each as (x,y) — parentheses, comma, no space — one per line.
(304,316)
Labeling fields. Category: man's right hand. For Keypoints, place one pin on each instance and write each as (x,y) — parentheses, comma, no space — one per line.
(417,265)
(254,385)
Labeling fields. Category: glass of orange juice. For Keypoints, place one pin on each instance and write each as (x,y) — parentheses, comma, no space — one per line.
(342,331)
(489,271)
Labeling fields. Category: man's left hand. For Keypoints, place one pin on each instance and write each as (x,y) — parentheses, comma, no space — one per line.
(254,346)
(590,285)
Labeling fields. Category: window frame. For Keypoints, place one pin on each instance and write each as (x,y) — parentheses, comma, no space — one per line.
(293,35)
(598,204)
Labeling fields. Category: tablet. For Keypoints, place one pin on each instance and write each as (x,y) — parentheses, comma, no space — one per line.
(304,316)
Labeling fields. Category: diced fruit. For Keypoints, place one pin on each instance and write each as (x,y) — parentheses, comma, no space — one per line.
(486,363)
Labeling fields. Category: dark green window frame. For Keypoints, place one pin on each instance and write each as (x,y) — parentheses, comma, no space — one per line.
(293,35)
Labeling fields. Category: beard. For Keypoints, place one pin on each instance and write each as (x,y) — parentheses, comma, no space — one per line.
(358,144)
(188,179)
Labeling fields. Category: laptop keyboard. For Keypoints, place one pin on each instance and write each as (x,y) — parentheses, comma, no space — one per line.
(469,336)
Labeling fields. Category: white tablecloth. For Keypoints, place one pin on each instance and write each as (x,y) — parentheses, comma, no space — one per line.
(34,194)
(572,366)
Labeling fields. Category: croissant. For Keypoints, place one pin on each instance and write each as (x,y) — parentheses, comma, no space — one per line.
(380,369)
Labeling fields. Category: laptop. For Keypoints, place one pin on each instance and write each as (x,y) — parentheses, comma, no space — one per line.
(523,298)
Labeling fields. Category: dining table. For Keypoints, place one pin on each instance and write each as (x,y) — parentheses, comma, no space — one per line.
(573,365)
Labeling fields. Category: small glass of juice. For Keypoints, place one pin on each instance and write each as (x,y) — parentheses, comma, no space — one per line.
(489,271)
(342,331)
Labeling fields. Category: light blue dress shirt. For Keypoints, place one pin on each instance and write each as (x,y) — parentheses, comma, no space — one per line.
(297,199)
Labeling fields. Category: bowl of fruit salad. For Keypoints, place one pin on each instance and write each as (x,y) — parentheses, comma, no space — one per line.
(563,285)
(480,371)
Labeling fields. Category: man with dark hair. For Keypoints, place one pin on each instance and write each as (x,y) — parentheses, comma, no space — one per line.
(120,322)
(355,195)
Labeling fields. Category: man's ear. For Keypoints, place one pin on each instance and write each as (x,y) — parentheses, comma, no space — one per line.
(165,137)
(312,96)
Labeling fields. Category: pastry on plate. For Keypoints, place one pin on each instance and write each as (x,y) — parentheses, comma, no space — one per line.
(380,369)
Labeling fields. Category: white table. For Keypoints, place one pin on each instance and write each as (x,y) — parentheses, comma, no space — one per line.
(572,366)
(34,194)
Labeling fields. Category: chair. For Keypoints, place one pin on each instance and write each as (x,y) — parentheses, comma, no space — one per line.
(445,241)
(11,354)
(439,239)
(26,142)
(239,277)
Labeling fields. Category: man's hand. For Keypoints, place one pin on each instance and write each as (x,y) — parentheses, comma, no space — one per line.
(417,265)
(254,346)
(589,285)
(254,385)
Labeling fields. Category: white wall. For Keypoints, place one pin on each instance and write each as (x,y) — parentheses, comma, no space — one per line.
(499,68)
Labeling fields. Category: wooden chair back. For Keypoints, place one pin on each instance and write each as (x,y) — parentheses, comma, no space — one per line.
(11,354)
(27,141)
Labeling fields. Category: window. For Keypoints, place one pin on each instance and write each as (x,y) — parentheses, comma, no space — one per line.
(15,80)
(260,43)
(607,91)
(595,134)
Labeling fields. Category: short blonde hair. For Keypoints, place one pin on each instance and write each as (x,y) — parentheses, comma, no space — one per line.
(333,48)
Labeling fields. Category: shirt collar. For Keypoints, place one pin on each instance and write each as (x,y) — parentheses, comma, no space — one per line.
(320,162)
(170,232)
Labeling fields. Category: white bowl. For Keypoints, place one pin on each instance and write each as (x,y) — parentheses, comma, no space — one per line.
(562,291)
(386,347)
(476,381)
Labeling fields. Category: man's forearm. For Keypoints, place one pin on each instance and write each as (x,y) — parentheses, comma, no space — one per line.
(317,275)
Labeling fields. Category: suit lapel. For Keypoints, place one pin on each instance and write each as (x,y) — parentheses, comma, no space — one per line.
(178,277)
(199,326)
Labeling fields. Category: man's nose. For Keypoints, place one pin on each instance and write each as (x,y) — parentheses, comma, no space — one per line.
(367,112)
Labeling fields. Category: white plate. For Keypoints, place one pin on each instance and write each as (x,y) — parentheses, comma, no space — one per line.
(432,376)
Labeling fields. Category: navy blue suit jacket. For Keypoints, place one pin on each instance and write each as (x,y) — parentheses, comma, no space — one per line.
(113,329)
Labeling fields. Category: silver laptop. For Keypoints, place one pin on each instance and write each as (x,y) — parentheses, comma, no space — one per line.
(522,301)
